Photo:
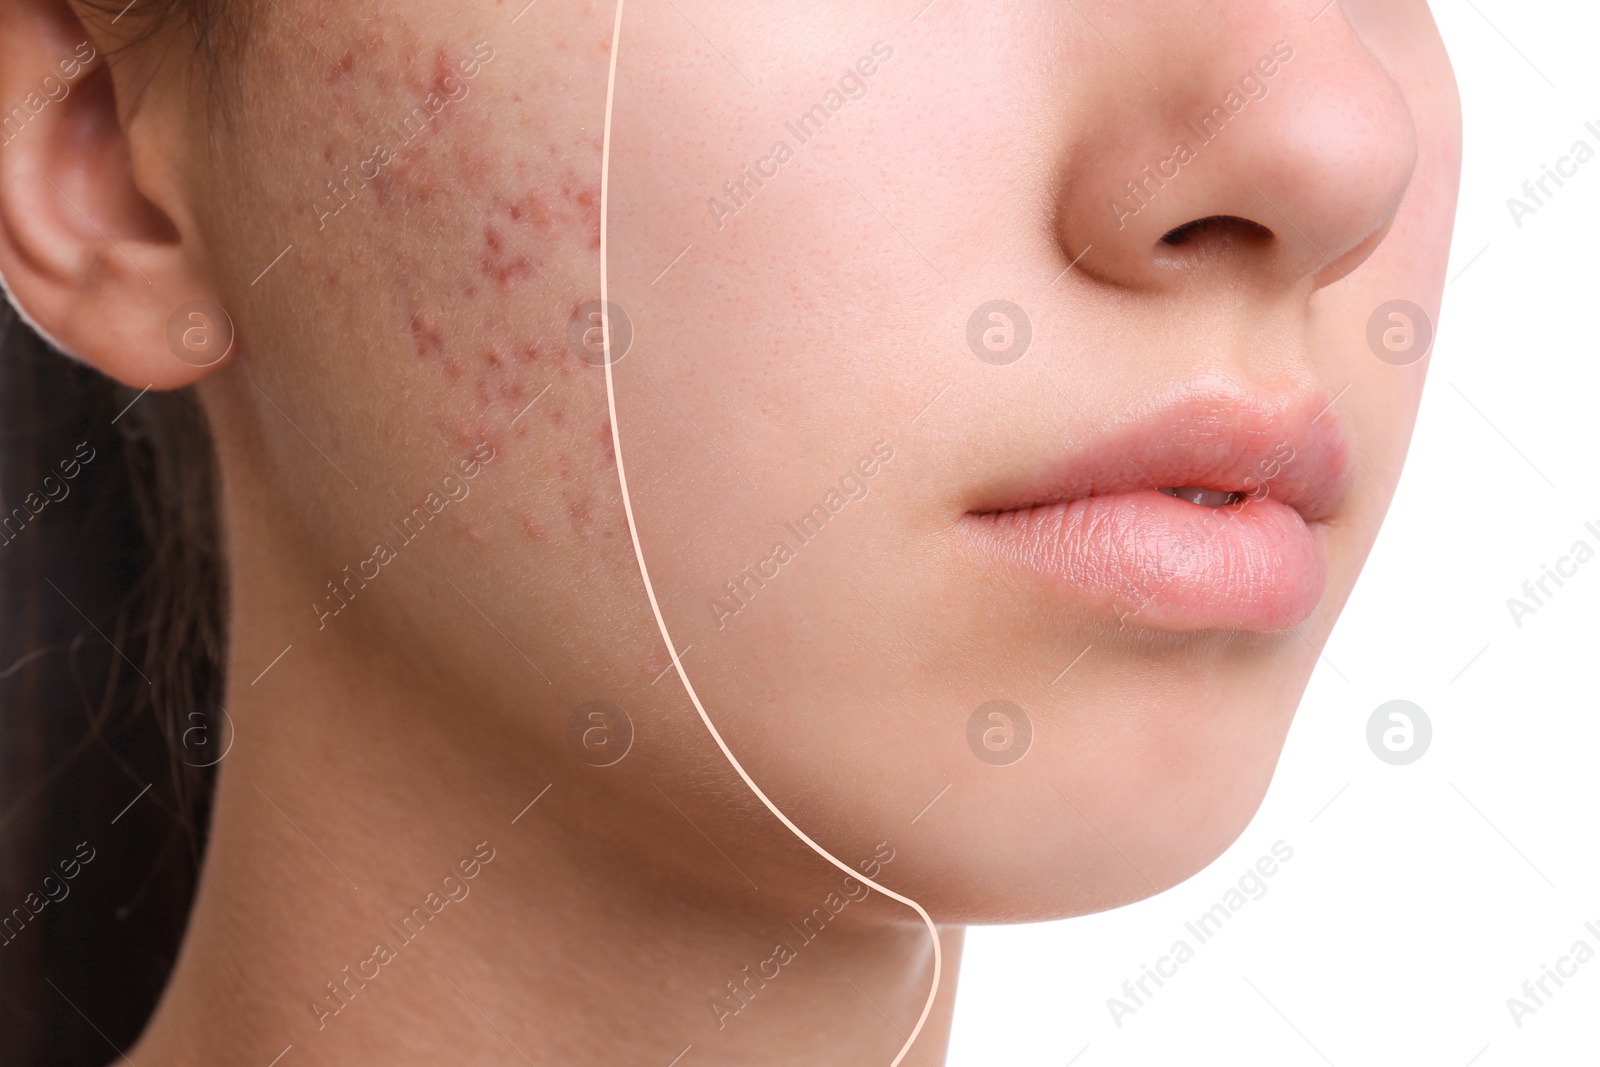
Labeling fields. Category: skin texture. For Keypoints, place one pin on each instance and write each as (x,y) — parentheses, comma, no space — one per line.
(418,313)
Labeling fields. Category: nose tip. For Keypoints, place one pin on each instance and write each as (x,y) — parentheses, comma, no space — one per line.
(1284,168)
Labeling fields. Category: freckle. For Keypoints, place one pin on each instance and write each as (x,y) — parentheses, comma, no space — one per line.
(453,368)
(327,155)
(556,416)
(579,510)
(606,444)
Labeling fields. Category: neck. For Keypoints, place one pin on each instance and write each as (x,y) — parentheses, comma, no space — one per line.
(390,880)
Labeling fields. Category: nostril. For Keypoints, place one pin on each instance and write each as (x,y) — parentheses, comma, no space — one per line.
(1219,228)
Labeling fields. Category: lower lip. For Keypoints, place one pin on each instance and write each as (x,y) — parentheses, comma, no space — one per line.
(1164,563)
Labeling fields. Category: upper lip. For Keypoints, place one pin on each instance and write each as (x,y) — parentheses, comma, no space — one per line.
(1289,447)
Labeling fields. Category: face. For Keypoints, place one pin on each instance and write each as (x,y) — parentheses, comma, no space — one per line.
(995,388)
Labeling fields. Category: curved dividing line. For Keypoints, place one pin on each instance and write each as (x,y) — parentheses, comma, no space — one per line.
(644,571)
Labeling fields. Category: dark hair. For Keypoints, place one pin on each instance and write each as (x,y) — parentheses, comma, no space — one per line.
(112,651)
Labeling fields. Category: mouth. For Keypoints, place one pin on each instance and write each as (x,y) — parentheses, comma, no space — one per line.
(1204,513)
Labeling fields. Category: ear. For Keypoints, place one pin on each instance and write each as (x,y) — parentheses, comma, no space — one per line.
(96,246)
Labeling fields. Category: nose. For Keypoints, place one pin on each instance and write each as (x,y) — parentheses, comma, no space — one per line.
(1274,156)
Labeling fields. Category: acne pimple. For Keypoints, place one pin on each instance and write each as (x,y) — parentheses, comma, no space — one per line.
(578,509)
(426,334)
(444,74)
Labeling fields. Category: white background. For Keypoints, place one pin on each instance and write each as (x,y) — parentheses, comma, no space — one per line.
(1423,896)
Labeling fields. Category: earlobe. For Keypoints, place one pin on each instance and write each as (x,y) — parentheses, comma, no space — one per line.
(88,248)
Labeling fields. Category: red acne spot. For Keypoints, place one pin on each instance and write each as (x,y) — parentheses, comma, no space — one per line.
(579,510)
(452,367)
(530,352)
(494,357)
(340,70)
(588,205)
(426,335)
(502,268)
(444,78)
(475,535)
(531,207)
(513,390)
(555,417)
(505,271)
(606,444)
(534,529)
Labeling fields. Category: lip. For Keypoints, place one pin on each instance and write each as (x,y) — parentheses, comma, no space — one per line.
(1094,524)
